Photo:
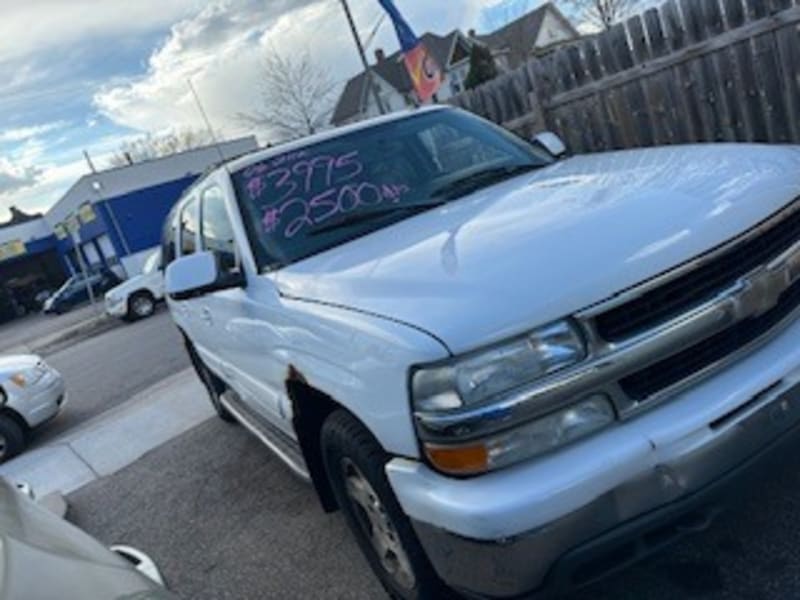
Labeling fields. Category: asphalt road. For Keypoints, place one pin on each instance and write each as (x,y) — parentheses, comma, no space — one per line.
(103,371)
(225,520)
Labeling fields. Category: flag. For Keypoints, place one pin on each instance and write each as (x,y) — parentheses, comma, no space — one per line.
(425,72)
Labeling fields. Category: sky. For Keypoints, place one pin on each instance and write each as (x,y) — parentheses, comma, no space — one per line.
(90,74)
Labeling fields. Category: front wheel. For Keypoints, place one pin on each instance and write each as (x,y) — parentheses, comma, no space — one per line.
(140,306)
(12,438)
(355,463)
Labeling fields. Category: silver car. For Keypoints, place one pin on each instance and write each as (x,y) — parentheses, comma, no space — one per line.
(45,557)
(31,393)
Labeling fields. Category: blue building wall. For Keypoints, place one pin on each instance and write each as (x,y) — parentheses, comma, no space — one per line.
(139,218)
(141,214)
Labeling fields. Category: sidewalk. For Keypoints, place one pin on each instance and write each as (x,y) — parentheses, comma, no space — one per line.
(115,439)
(39,334)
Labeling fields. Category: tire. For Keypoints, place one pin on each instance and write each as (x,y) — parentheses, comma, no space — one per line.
(140,306)
(354,462)
(12,438)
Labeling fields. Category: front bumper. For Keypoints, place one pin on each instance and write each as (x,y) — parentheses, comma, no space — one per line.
(116,309)
(41,401)
(574,515)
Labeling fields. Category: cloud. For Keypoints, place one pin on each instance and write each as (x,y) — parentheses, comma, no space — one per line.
(15,177)
(20,134)
(221,48)
(34,26)
(218,49)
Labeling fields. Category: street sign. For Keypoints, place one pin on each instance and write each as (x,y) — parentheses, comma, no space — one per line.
(12,249)
(86,213)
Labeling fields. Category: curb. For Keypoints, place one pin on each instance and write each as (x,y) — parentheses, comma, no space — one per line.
(115,439)
(76,333)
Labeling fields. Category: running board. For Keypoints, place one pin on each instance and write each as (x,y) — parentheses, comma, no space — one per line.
(284,447)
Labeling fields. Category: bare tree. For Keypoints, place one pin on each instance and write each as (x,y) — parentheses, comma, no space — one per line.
(296,96)
(152,146)
(603,14)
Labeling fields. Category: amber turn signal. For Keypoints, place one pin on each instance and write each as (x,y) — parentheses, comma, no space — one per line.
(458,460)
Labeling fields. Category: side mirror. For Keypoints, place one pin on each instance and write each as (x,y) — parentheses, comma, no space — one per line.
(550,142)
(198,274)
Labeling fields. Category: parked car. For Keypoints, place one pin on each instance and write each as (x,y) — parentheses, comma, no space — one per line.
(44,557)
(512,370)
(75,290)
(31,393)
(137,297)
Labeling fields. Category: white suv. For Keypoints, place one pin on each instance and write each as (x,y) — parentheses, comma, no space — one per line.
(137,297)
(511,370)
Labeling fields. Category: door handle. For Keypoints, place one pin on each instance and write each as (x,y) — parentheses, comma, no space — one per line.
(205,314)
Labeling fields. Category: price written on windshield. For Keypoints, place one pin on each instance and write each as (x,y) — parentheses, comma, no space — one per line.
(297,191)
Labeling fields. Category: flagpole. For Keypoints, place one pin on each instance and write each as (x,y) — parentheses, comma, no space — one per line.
(367,68)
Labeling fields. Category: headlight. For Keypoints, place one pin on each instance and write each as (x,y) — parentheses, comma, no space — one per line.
(28,376)
(477,377)
(525,441)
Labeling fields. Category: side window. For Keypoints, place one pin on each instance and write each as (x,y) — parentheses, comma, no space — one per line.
(168,248)
(189,227)
(216,231)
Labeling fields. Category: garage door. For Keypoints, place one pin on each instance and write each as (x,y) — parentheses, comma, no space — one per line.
(107,248)
(91,254)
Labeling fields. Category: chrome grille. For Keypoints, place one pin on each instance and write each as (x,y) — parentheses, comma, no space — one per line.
(747,287)
(701,284)
(641,385)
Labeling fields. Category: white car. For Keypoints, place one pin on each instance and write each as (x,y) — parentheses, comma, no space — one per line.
(136,298)
(512,370)
(31,393)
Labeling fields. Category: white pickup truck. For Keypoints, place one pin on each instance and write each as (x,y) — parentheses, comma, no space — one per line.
(512,370)
(136,298)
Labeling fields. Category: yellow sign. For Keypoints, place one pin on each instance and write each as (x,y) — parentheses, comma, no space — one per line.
(86,213)
(61,231)
(73,225)
(12,249)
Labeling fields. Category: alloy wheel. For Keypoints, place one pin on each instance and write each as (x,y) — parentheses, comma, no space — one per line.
(376,524)
(142,306)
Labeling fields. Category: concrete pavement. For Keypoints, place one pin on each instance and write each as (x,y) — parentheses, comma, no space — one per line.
(115,439)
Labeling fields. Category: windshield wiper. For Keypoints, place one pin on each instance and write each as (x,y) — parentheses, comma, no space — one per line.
(481,179)
(364,216)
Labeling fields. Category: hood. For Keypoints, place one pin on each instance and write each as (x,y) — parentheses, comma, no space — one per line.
(9,365)
(544,245)
(134,283)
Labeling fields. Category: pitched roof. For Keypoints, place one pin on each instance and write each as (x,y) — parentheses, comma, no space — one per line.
(392,70)
(518,37)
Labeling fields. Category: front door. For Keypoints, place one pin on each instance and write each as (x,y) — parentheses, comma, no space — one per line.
(241,340)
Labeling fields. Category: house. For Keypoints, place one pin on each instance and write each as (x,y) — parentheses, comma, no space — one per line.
(511,45)
(534,32)
(394,86)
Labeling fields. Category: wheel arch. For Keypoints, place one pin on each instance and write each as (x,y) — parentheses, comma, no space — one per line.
(16,417)
(310,408)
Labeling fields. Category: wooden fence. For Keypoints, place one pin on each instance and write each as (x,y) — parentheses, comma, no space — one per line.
(689,71)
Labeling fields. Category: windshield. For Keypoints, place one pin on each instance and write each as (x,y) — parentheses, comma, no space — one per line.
(310,199)
(152,263)
(68,284)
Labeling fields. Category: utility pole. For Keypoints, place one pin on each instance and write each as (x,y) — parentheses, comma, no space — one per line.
(367,68)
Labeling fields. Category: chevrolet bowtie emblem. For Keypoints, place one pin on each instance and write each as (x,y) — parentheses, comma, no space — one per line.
(760,292)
